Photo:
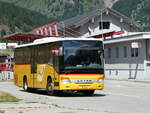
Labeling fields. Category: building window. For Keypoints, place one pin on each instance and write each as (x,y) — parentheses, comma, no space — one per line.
(109,53)
(104,25)
(117,52)
(134,52)
(125,51)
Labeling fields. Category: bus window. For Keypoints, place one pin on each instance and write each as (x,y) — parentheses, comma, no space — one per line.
(82,55)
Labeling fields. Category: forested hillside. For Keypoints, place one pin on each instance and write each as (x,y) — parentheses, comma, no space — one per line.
(14,19)
(61,9)
(24,15)
(138,10)
(24,19)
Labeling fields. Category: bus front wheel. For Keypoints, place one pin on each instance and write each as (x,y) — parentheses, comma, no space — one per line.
(25,84)
(49,88)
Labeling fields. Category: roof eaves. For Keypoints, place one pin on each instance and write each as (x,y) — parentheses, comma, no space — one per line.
(124,38)
(88,17)
(126,19)
(82,19)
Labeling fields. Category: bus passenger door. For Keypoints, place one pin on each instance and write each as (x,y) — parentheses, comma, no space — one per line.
(33,66)
(56,68)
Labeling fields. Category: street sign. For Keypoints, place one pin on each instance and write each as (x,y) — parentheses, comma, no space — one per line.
(135,44)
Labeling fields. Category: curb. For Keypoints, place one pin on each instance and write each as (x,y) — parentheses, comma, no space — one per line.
(130,80)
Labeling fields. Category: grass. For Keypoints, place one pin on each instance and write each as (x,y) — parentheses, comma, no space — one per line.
(2,111)
(5,97)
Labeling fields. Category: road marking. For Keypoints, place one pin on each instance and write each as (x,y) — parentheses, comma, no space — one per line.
(52,97)
(120,94)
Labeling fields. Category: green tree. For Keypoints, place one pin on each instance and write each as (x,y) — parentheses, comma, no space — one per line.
(12,27)
(2,33)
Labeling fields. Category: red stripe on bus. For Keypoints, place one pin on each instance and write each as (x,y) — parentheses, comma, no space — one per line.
(22,64)
(80,74)
(55,49)
(30,64)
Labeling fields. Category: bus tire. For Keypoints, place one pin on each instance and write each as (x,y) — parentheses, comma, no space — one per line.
(25,84)
(88,92)
(49,88)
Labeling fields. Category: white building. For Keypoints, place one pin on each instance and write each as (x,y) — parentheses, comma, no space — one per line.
(128,57)
(100,21)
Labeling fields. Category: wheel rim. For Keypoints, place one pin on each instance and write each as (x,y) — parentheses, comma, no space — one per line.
(49,89)
(25,86)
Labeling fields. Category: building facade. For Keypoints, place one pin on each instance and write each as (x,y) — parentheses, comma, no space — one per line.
(106,21)
(128,57)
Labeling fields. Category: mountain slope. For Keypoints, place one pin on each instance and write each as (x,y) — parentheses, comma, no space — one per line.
(138,10)
(20,17)
(18,12)
(59,8)
(16,19)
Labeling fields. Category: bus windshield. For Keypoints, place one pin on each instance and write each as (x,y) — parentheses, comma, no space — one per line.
(83,55)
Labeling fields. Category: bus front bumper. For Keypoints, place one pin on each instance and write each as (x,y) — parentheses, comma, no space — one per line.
(75,86)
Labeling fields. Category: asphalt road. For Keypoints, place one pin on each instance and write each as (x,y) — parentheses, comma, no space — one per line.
(117,97)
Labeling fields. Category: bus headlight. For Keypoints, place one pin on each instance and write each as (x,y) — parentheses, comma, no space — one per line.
(100,80)
(65,80)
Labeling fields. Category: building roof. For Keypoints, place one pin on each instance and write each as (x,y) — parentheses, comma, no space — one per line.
(25,37)
(82,19)
(134,36)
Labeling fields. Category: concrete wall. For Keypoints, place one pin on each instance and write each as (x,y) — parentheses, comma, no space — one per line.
(125,67)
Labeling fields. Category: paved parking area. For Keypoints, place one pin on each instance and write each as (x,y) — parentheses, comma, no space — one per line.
(117,97)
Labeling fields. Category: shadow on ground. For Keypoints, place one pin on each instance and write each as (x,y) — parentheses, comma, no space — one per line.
(64,93)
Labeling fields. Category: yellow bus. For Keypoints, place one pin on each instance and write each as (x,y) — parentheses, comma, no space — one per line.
(59,64)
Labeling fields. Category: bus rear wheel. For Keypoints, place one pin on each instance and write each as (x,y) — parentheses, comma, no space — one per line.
(88,92)
(26,87)
(49,88)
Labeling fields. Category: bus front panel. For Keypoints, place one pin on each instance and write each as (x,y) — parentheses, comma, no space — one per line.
(81,65)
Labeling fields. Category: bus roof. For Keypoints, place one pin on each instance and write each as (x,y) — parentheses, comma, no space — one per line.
(53,39)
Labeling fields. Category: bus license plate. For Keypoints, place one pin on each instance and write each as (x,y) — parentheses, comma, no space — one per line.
(84,86)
